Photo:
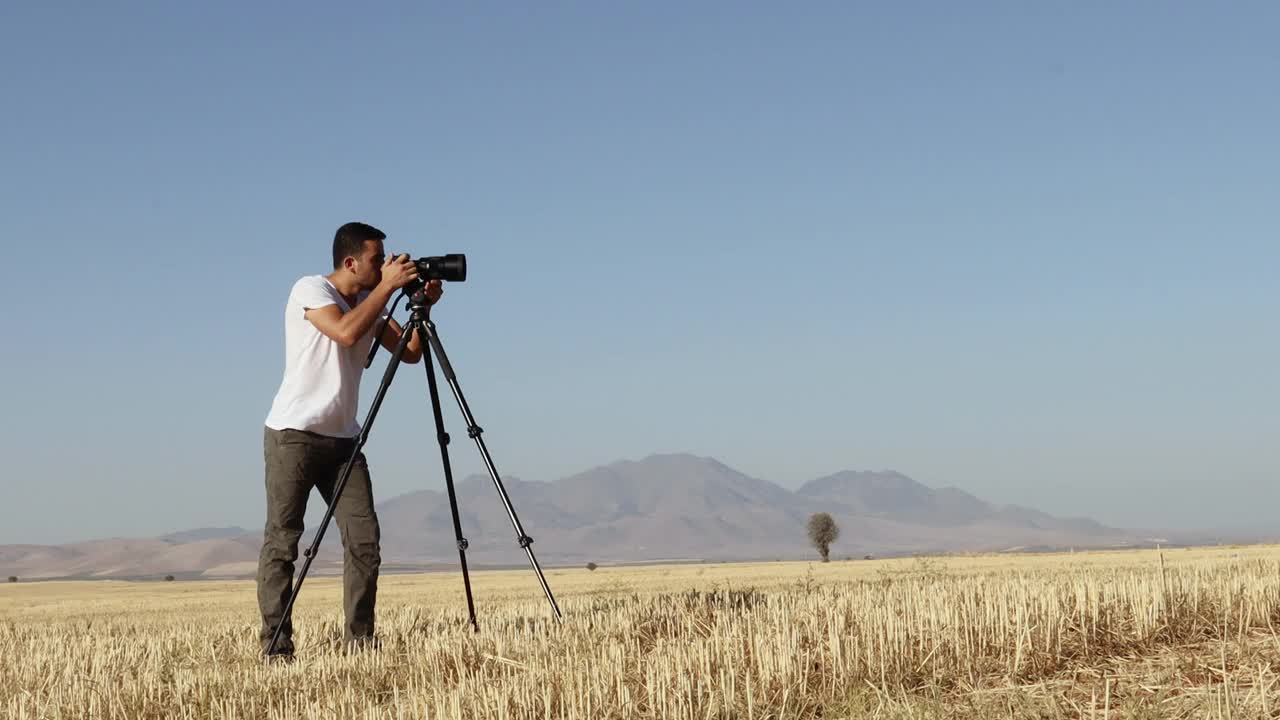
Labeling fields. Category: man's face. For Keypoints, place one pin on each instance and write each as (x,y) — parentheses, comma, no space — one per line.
(368,265)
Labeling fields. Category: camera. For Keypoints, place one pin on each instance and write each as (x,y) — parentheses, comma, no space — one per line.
(450,268)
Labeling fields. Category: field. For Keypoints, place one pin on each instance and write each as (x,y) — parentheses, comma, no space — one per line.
(1140,634)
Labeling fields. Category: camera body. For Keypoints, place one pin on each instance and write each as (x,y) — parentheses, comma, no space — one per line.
(449,268)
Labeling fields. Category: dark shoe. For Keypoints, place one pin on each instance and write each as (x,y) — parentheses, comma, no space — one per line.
(282,654)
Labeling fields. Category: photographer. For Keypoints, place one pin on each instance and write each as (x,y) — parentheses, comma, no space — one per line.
(311,428)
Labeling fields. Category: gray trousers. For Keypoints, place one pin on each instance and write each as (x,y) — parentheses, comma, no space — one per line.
(297,461)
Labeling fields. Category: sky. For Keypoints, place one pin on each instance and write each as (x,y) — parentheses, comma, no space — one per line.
(1025,250)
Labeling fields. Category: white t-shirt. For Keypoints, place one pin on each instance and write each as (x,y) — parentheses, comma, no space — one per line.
(321,385)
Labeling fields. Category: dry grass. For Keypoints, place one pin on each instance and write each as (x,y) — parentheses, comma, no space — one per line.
(1106,635)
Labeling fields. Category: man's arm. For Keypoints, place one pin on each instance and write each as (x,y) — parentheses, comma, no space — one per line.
(346,328)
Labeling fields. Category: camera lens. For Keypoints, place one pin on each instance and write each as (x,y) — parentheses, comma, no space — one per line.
(450,268)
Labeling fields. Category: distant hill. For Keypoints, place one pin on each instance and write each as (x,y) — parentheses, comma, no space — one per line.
(663,507)
(896,497)
(199,534)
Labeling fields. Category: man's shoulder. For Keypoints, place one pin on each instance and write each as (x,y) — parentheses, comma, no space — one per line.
(311,282)
(308,289)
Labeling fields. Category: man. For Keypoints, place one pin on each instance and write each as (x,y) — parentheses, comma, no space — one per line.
(312,429)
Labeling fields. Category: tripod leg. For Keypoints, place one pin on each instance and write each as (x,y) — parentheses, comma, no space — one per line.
(443,438)
(310,552)
(474,431)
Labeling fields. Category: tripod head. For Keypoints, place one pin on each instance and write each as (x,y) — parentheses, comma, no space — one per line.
(418,300)
(418,305)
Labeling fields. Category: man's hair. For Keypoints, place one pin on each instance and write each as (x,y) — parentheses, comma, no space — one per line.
(350,240)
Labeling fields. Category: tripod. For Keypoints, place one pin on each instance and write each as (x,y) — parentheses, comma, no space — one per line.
(420,320)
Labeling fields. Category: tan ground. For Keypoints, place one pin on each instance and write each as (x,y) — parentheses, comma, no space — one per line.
(1183,633)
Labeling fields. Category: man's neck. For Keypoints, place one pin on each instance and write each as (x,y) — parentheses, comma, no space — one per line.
(346,284)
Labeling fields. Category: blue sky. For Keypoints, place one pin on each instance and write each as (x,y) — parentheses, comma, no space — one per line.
(1024,250)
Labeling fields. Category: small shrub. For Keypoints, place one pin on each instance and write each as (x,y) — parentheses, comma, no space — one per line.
(822,531)
(168,578)
(13,578)
(592,566)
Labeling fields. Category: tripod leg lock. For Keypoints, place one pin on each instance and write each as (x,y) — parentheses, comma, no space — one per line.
(306,552)
(525,541)
(444,438)
(474,431)
(463,544)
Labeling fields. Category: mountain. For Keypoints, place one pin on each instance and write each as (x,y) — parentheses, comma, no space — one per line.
(663,507)
(894,496)
(213,533)
(126,558)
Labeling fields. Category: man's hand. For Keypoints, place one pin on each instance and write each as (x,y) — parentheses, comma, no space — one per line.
(433,291)
(398,271)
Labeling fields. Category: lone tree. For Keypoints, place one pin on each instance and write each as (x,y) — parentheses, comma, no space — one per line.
(591,566)
(168,578)
(822,532)
(13,578)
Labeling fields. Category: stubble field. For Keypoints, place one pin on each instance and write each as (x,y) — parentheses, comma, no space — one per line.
(1182,633)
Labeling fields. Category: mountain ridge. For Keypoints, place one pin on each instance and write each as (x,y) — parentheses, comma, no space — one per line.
(659,507)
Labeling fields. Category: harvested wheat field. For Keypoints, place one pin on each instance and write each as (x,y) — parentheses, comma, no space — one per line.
(1142,634)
